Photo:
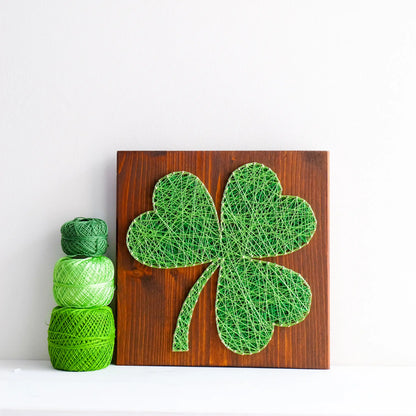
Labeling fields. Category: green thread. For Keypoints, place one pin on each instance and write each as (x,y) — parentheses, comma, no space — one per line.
(84,237)
(183,228)
(180,337)
(83,282)
(256,221)
(252,297)
(81,339)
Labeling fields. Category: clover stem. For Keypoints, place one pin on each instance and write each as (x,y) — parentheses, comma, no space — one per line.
(181,335)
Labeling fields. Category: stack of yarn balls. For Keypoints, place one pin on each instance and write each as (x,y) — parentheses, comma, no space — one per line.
(81,331)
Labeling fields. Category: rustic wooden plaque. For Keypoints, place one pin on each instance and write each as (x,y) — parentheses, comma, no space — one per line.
(149,299)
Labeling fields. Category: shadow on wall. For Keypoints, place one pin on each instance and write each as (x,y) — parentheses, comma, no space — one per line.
(110,216)
(109,203)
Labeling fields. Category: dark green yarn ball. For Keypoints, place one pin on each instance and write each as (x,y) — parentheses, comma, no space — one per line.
(81,339)
(84,237)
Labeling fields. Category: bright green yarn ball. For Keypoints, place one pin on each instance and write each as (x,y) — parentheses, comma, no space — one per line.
(83,282)
(84,237)
(81,339)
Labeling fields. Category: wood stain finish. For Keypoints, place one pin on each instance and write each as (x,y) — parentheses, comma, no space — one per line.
(149,299)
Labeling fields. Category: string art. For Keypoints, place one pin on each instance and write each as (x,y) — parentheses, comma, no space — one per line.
(257,221)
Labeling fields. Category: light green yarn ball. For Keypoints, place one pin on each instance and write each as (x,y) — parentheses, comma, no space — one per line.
(83,282)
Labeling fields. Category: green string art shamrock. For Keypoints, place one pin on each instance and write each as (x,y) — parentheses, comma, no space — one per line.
(256,221)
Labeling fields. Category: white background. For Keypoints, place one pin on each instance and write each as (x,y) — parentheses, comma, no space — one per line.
(80,80)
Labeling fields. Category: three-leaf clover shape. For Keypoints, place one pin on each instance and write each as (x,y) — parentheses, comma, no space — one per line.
(257,221)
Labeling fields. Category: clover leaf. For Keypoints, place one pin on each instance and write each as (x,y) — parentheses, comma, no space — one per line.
(257,221)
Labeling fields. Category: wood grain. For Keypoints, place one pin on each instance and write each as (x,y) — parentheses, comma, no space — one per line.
(149,299)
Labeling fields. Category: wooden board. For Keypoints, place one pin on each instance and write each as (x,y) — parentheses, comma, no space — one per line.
(149,299)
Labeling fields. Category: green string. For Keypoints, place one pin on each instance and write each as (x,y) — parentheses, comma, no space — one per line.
(183,229)
(84,237)
(180,337)
(81,339)
(255,296)
(256,221)
(83,282)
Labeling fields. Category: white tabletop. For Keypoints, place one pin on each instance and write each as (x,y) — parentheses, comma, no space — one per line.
(35,388)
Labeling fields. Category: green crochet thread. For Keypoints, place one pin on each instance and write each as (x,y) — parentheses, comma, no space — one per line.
(256,221)
(81,339)
(84,237)
(83,282)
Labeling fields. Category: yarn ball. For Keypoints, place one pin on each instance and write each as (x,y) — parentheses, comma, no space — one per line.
(84,237)
(83,282)
(81,339)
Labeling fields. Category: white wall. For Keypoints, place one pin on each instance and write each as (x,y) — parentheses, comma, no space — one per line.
(82,79)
